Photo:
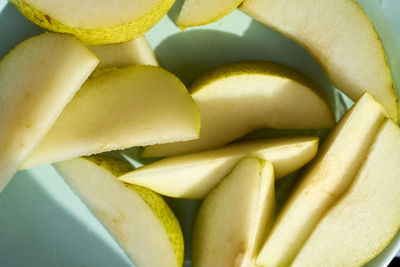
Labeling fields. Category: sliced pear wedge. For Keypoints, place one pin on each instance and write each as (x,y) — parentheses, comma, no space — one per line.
(364,221)
(235,216)
(340,37)
(94,22)
(135,52)
(201,12)
(324,181)
(121,108)
(192,176)
(37,79)
(237,98)
(139,219)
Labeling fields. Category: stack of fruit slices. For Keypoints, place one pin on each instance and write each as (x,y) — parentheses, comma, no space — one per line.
(73,99)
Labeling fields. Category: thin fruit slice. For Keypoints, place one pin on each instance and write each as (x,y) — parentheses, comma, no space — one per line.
(37,79)
(139,219)
(323,182)
(200,12)
(96,22)
(193,176)
(367,217)
(235,216)
(133,106)
(136,52)
(340,37)
(237,98)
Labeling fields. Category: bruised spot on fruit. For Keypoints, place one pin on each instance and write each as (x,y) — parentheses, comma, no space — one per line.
(48,19)
(240,255)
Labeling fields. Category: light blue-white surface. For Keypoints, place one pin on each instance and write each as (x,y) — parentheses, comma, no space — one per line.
(42,222)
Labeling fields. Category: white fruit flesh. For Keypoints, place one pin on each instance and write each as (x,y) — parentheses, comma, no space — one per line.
(367,217)
(136,52)
(138,219)
(200,12)
(37,79)
(235,216)
(323,182)
(122,108)
(94,13)
(238,98)
(194,175)
(96,22)
(340,37)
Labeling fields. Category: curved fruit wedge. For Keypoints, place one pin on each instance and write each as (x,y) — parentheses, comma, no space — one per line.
(94,22)
(324,181)
(122,108)
(237,98)
(37,79)
(235,216)
(139,219)
(135,52)
(200,12)
(194,175)
(340,37)
(364,221)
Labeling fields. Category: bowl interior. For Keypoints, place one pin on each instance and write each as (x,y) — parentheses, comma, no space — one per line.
(43,223)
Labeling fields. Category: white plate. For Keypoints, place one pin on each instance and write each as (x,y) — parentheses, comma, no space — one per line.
(42,222)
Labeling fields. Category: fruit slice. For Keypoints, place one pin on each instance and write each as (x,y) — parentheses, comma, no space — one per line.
(194,175)
(367,217)
(136,52)
(127,107)
(139,219)
(323,182)
(340,37)
(235,216)
(200,12)
(237,98)
(37,79)
(110,21)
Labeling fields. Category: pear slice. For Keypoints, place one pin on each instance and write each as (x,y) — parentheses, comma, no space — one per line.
(201,12)
(135,52)
(340,37)
(324,181)
(237,98)
(364,221)
(139,219)
(235,216)
(37,79)
(133,106)
(94,22)
(192,176)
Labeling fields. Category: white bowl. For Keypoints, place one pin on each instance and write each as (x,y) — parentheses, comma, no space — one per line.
(43,223)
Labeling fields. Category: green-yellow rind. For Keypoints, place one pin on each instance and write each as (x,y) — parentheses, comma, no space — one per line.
(183,26)
(97,36)
(165,216)
(258,67)
(154,201)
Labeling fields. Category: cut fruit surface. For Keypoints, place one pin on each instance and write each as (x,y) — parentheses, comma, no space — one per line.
(139,219)
(194,175)
(121,108)
(237,98)
(37,79)
(340,37)
(364,221)
(96,22)
(324,181)
(200,12)
(135,52)
(235,216)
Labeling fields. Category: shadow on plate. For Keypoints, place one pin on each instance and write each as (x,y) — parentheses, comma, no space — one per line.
(14,28)
(37,231)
